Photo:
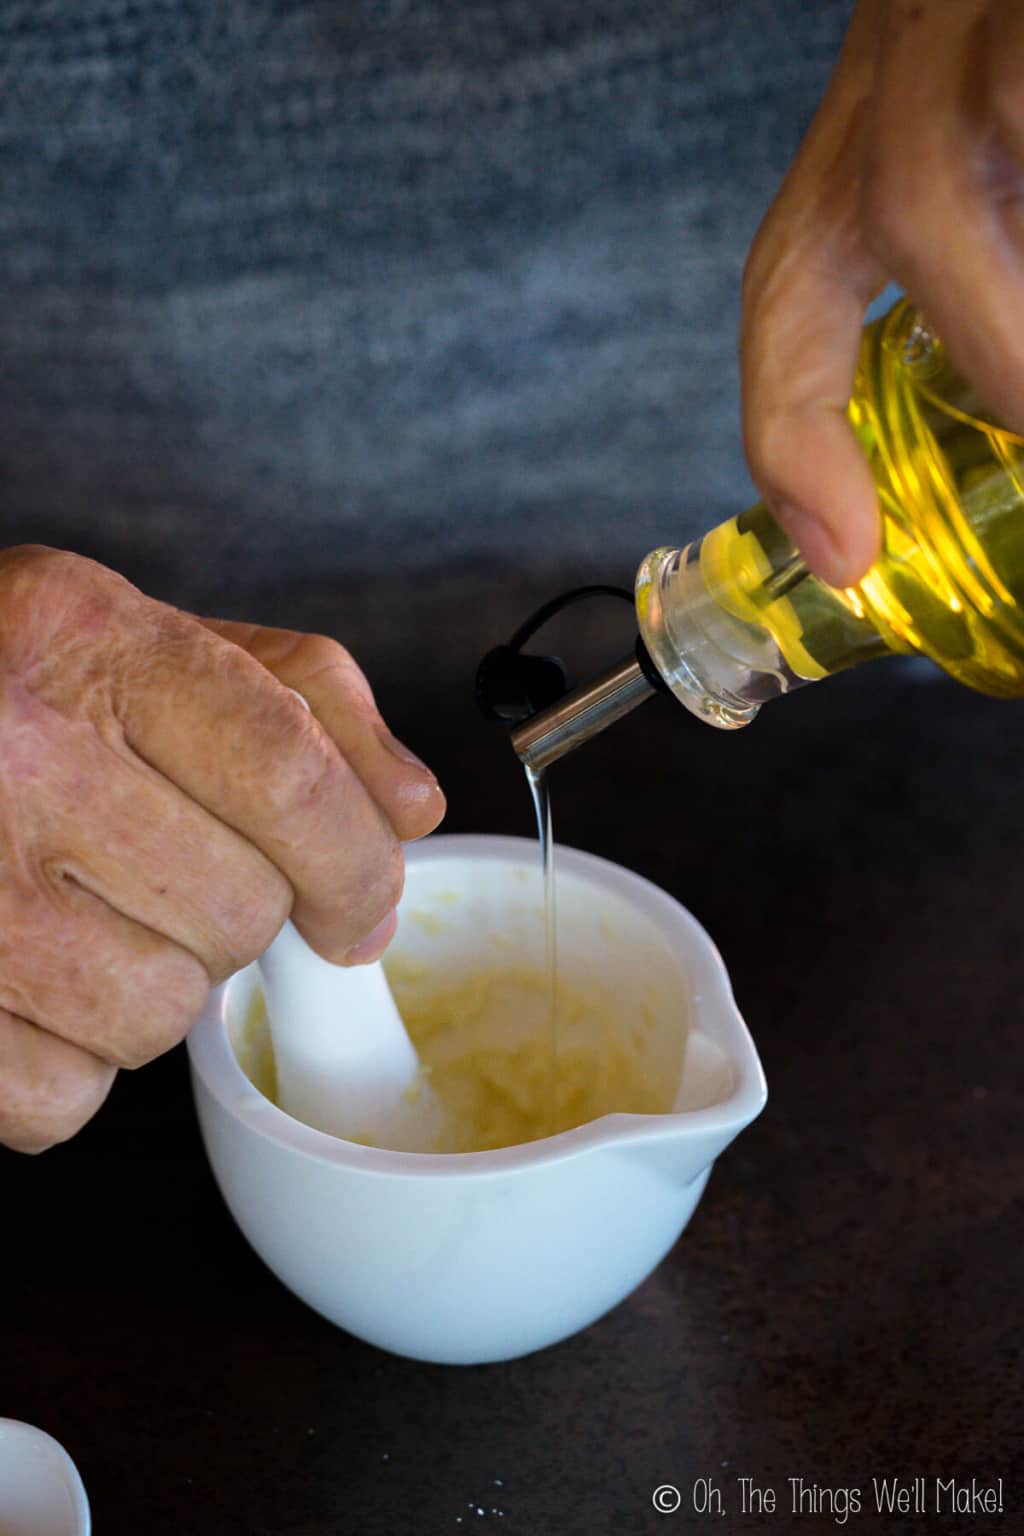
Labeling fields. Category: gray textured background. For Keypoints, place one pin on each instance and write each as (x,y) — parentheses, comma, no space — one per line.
(384,319)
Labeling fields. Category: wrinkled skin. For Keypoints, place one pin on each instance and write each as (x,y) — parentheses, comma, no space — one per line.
(913,172)
(165,803)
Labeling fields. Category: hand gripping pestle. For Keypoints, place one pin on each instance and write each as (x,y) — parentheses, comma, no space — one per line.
(345,1064)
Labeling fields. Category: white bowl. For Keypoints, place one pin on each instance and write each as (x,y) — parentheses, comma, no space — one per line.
(41,1493)
(470,1257)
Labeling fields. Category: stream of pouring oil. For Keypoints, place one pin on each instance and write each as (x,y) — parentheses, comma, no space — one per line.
(540,792)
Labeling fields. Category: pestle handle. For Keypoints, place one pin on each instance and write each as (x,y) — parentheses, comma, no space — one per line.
(344,1061)
(343,1057)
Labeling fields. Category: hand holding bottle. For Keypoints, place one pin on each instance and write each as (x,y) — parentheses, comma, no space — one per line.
(913,172)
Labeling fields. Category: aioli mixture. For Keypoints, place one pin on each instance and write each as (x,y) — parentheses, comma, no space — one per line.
(484,1044)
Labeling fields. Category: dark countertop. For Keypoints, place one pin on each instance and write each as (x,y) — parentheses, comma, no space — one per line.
(846,1301)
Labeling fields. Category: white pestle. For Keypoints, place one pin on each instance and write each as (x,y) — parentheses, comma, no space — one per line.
(344,1061)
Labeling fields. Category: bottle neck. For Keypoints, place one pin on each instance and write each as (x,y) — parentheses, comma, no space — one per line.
(736,619)
(721,669)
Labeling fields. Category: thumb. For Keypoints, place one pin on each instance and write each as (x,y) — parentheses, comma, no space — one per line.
(804,455)
(808,280)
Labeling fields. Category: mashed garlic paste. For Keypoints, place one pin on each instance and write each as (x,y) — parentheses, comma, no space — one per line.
(485,1044)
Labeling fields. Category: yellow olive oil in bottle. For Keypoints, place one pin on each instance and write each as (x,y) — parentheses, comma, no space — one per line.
(736,618)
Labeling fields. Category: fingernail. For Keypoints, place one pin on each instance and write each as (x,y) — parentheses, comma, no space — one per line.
(402,752)
(815,541)
(375,943)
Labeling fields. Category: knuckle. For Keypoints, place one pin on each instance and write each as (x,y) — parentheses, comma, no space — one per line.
(167,997)
(267,923)
(304,775)
(374,886)
(347,905)
(52,1102)
(381,887)
(32,563)
(59,592)
(83,1096)
(91,989)
(251,917)
(316,654)
(167,644)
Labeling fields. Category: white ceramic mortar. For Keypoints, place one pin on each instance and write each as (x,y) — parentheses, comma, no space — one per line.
(482,1256)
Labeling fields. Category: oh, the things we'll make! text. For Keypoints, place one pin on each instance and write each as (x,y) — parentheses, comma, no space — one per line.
(803,1496)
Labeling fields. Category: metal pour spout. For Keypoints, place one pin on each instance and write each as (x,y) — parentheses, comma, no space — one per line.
(574,719)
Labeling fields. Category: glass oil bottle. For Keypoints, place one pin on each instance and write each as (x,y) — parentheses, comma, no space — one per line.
(736,618)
